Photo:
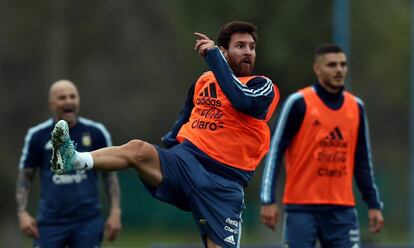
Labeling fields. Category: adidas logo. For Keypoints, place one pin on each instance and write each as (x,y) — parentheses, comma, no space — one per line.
(334,139)
(208,96)
(230,239)
(335,134)
(209,91)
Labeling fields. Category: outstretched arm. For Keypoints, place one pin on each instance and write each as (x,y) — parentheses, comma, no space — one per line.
(27,223)
(113,224)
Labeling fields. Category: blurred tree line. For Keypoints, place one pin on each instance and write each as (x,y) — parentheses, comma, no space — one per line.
(133,62)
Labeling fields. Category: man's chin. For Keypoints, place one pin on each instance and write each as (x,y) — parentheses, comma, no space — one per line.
(338,81)
(244,71)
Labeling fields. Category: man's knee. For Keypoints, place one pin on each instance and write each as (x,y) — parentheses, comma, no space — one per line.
(144,158)
(137,151)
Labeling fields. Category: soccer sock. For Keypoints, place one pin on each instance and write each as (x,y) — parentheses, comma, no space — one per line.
(83,161)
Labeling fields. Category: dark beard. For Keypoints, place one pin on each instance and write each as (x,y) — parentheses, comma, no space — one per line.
(241,71)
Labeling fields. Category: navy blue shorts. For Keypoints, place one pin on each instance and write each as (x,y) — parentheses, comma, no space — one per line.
(215,202)
(336,228)
(84,234)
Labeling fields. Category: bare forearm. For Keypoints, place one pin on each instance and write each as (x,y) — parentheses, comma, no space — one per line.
(113,192)
(23,184)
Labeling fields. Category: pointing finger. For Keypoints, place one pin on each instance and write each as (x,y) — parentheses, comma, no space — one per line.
(200,35)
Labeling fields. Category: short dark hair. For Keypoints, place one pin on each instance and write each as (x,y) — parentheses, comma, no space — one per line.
(228,29)
(327,48)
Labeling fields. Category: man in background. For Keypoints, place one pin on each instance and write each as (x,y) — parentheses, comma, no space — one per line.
(69,212)
(323,133)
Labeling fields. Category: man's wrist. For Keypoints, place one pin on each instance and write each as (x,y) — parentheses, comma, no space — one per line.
(21,212)
(115,211)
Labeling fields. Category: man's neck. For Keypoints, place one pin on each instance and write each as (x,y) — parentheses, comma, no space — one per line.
(331,89)
(332,100)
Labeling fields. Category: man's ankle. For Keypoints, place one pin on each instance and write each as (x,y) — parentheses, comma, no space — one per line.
(83,161)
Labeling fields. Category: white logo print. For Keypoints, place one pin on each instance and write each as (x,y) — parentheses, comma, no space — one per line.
(230,239)
(69,179)
(354,237)
(232,230)
(232,222)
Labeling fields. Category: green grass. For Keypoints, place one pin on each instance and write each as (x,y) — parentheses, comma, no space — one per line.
(175,235)
(147,238)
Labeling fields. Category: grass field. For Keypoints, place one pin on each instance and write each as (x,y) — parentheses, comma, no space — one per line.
(155,239)
(151,238)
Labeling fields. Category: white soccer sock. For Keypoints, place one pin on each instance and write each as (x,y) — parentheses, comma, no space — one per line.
(83,161)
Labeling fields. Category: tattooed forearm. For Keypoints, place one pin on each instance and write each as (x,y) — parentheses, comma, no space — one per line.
(112,190)
(24,182)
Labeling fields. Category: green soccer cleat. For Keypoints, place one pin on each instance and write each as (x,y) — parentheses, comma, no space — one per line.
(64,153)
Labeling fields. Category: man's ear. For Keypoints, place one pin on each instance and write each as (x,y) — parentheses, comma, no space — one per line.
(316,68)
(223,50)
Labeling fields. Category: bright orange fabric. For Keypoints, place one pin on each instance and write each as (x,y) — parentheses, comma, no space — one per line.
(221,131)
(320,159)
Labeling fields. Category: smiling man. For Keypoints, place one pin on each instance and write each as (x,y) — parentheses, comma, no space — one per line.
(64,101)
(323,133)
(69,213)
(216,144)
